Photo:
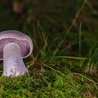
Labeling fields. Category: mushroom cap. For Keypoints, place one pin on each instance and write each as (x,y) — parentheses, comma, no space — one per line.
(24,41)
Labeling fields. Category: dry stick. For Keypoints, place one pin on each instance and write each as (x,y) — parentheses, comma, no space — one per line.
(59,73)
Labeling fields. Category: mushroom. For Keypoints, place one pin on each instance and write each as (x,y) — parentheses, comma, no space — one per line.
(14,45)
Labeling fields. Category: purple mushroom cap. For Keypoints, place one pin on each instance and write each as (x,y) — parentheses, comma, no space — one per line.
(24,41)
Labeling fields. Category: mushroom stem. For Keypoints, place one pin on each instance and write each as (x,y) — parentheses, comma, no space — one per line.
(13,62)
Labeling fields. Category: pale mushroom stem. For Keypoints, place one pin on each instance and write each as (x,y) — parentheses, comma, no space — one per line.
(12,60)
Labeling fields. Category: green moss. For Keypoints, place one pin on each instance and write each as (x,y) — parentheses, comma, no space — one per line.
(30,87)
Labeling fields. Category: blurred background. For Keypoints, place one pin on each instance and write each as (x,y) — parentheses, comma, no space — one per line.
(70,26)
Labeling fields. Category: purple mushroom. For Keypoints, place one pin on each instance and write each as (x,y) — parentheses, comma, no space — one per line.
(14,46)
